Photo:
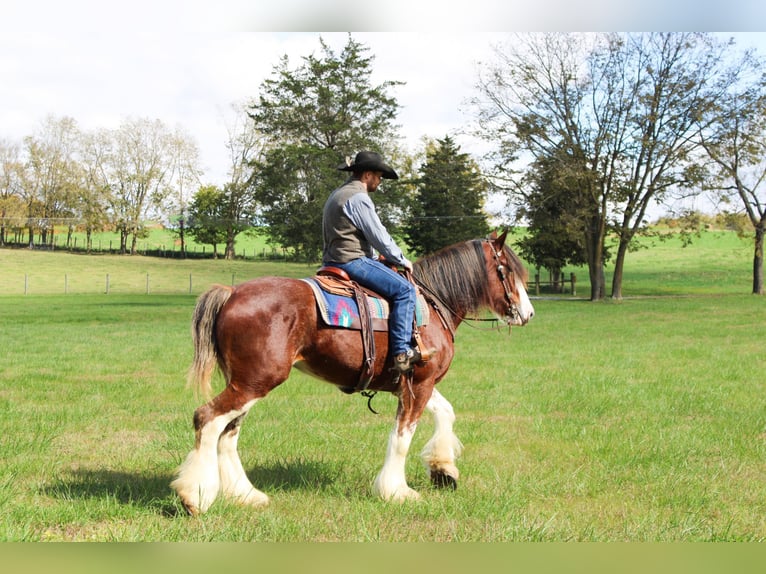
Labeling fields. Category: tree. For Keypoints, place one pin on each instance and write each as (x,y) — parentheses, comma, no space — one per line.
(94,195)
(735,141)
(448,206)
(555,214)
(624,109)
(51,174)
(184,176)
(207,217)
(315,115)
(246,147)
(12,211)
(141,165)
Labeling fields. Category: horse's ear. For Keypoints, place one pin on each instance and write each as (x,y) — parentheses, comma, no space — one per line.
(499,241)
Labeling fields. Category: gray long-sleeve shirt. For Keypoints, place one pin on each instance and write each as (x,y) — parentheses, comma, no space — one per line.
(357,206)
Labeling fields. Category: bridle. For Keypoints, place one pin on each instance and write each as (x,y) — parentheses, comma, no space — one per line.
(512,312)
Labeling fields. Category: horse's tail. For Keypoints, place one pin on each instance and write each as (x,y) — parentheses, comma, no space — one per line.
(208,306)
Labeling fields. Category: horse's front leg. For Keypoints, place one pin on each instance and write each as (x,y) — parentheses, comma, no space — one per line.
(391,482)
(440,452)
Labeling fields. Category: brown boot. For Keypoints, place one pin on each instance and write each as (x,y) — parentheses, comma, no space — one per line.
(405,362)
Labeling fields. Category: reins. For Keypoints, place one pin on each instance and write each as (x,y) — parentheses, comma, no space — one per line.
(441,305)
(511,312)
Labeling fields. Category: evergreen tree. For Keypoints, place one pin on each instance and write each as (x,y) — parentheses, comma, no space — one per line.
(555,212)
(316,115)
(449,202)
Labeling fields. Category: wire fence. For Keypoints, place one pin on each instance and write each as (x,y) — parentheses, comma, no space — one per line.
(192,251)
(112,283)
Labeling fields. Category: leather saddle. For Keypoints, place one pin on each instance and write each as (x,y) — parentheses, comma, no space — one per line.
(333,288)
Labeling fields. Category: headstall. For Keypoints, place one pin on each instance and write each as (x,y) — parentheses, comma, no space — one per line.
(512,312)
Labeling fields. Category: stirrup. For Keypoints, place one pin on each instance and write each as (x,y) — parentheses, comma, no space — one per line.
(405,362)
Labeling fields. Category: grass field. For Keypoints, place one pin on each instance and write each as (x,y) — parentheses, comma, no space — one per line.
(718,262)
(640,420)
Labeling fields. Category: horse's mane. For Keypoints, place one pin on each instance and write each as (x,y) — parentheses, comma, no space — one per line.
(457,274)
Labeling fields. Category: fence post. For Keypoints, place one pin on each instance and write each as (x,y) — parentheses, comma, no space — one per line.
(190,283)
(573,278)
(107,283)
(537,283)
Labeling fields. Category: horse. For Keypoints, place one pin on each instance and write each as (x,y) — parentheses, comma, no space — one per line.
(255,332)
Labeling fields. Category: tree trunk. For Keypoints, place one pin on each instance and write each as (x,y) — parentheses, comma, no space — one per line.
(758,260)
(123,240)
(619,265)
(556,282)
(228,252)
(182,236)
(594,247)
(597,282)
(231,237)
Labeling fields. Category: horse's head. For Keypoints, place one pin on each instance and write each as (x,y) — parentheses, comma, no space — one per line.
(509,299)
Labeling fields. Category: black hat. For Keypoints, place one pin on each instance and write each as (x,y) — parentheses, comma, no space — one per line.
(369,161)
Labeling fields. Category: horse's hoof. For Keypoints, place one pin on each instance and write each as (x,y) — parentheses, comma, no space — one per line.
(191,509)
(255,498)
(404,495)
(441,479)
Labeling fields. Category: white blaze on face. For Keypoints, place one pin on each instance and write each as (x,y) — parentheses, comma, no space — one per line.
(525,308)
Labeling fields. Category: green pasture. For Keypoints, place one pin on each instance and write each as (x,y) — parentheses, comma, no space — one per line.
(639,420)
(717,262)
(155,238)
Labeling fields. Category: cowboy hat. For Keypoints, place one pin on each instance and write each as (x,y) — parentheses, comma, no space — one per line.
(368,161)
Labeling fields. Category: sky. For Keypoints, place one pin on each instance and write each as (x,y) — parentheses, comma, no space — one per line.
(186,62)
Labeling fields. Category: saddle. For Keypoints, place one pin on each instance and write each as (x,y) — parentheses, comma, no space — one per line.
(344,303)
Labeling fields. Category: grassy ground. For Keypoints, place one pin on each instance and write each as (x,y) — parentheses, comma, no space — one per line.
(641,420)
(717,262)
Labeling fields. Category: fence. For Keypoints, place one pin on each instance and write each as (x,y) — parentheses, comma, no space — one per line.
(192,251)
(107,283)
(553,285)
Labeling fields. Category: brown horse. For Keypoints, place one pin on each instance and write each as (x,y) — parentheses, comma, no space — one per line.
(257,331)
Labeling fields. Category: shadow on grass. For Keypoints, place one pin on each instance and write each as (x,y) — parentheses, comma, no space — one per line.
(152,491)
(145,490)
(298,474)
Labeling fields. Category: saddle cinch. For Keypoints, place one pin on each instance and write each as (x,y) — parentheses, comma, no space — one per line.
(343,303)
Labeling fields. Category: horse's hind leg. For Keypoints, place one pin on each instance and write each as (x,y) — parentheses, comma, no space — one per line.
(199,480)
(234,481)
(444,447)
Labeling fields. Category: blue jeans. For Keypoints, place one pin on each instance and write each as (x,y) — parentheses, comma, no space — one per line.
(399,293)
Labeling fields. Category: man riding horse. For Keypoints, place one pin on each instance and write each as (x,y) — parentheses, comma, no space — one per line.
(351,230)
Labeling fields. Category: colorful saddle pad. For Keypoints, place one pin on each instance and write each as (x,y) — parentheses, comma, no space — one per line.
(343,311)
